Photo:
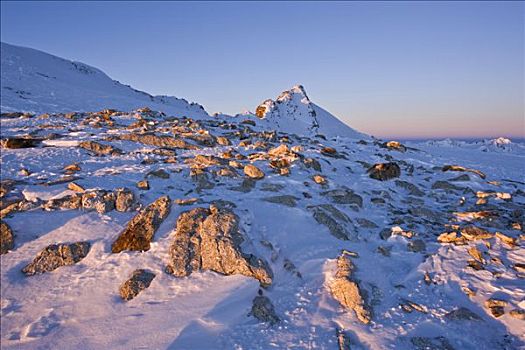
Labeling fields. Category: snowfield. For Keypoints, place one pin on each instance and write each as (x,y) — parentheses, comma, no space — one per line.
(321,202)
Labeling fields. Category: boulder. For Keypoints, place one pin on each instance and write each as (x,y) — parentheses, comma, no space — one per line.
(99,200)
(210,239)
(139,280)
(7,238)
(384,171)
(159,141)
(347,291)
(56,255)
(140,230)
(253,172)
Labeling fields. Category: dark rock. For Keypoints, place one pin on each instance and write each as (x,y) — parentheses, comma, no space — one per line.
(410,187)
(263,310)
(57,255)
(344,196)
(19,142)
(140,230)
(289,201)
(333,219)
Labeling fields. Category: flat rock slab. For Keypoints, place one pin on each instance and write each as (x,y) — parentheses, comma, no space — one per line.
(139,280)
(56,255)
(210,239)
(140,230)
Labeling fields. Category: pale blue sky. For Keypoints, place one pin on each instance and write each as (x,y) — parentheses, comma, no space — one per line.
(406,69)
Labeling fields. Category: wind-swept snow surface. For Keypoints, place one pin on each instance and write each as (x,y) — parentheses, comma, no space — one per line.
(298,232)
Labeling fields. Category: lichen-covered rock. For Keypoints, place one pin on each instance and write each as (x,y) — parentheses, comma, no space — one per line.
(263,310)
(384,171)
(99,149)
(139,280)
(7,238)
(347,291)
(139,232)
(253,172)
(56,255)
(335,220)
(210,239)
(124,199)
(99,200)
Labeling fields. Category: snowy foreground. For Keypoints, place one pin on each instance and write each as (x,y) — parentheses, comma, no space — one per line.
(311,235)
(410,282)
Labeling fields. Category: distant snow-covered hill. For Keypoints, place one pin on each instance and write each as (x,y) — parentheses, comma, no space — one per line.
(293,112)
(37,82)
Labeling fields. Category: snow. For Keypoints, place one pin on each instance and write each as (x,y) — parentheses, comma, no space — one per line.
(78,306)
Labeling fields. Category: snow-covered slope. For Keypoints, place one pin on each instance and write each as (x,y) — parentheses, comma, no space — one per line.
(293,112)
(37,82)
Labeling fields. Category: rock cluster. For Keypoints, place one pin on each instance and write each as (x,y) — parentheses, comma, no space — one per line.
(210,239)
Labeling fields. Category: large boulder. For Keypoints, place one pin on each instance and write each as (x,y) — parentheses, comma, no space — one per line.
(7,238)
(140,230)
(210,239)
(139,280)
(19,142)
(56,255)
(384,171)
(347,291)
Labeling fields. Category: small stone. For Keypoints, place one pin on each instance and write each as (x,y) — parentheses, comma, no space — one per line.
(186,201)
(143,185)
(518,314)
(223,141)
(319,179)
(57,255)
(139,280)
(416,246)
(253,172)
(160,173)
(72,168)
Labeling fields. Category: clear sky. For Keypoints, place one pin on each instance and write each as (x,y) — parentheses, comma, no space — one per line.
(406,69)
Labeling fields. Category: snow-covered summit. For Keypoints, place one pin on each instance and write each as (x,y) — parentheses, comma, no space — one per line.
(37,82)
(294,112)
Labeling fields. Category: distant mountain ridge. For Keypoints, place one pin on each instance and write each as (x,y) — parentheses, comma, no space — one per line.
(36,82)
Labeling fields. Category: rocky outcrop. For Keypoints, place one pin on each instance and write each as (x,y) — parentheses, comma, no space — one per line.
(7,238)
(124,200)
(394,145)
(210,239)
(140,230)
(99,149)
(384,171)
(56,255)
(347,291)
(263,310)
(139,280)
(159,141)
